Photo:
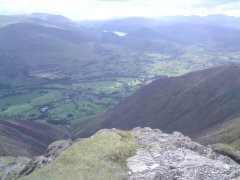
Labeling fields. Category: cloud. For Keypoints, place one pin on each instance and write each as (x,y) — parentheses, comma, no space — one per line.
(103,9)
(215,3)
(116,0)
(219,2)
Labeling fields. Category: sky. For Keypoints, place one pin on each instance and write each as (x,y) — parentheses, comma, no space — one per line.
(106,9)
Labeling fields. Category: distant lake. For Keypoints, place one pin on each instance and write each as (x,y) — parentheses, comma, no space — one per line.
(121,34)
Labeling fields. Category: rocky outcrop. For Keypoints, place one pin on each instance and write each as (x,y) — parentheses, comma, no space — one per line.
(11,165)
(174,156)
(52,152)
(139,154)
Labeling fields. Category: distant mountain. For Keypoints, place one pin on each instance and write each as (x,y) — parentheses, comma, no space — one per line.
(155,34)
(26,34)
(25,138)
(125,24)
(130,24)
(166,38)
(40,19)
(185,32)
(51,17)
(214,20)
(190,104)
(30,45)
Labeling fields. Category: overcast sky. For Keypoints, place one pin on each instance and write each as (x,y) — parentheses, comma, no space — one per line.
(105,9)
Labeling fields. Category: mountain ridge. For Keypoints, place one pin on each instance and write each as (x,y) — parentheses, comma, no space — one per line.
(187,103)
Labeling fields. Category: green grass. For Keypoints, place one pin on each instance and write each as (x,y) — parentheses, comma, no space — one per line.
(19,108)
(64,110)
(74,101)
(18,99)
(100,157)
(46,98)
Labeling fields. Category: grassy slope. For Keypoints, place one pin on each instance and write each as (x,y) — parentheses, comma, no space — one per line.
(225,138)
(227,150)
(227,132)
(102,156)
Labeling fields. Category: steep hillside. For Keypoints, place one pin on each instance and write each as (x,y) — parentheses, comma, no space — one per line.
(137,154)
(226,132)
(25,138)
(31,38)
(189,103)
(27,48)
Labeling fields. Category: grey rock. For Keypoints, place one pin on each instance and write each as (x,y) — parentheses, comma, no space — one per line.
(52,152)
(163,156)
(13,166)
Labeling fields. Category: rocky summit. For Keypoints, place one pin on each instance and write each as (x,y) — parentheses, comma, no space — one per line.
(139,154)
(175,156)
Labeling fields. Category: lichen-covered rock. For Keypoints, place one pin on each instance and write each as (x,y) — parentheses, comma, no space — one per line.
(52,152)
(10,165)
(174,156)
